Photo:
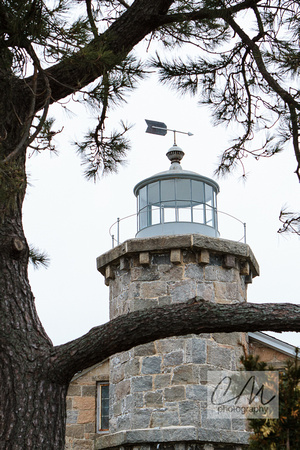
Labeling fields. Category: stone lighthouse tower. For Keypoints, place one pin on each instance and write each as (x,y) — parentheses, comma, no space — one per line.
(158,391)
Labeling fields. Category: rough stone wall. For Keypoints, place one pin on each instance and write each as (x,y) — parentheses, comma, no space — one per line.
(81,408)
(163,384)
(140,285)
(160,388)
(269,355)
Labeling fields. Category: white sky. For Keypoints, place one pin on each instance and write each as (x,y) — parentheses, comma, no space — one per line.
(69,217)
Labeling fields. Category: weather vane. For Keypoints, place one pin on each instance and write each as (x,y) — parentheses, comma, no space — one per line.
(161,129)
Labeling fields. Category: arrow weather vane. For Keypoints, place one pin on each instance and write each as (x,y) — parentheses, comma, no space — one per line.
(161,129)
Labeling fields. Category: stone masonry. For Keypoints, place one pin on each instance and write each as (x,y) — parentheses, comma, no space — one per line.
(158,391)
(272,357)
(81,407)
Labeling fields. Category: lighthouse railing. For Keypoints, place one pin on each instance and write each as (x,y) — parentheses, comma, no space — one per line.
(122,228)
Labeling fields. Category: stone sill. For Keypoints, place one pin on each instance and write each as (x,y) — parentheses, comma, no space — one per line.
(171,434)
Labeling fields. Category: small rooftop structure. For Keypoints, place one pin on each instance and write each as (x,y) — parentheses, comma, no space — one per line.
(176,201)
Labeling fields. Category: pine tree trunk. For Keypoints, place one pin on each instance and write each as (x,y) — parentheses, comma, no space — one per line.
(32,405)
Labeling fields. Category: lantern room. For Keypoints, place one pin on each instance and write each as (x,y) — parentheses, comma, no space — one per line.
(176,201)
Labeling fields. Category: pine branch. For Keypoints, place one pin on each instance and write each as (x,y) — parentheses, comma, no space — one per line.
(207,13)
(295,119)
(290,221)
(91,17)
(27,139)
(37,258)
(140,327)
(123,3)
(102,53)
(250,43)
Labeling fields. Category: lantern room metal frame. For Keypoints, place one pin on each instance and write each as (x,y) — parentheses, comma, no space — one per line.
(176,202)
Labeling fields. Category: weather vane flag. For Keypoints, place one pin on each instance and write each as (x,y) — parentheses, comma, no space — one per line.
(161,129)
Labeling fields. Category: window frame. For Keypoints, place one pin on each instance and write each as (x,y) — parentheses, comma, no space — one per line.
(99,418)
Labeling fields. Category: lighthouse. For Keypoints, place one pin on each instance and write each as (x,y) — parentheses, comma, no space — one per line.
(158,392)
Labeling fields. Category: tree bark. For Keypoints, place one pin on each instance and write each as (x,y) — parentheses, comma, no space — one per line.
(102,53)
(141,327)
(34,375)
(32,406)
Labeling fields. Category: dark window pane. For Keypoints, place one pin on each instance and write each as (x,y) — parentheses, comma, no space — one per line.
(103,407)
(105,391)
(105,423)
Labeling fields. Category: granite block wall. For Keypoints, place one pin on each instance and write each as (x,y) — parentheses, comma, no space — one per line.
(158,391)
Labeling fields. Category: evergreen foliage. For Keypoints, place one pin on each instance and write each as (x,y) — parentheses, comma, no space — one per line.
(38,258)
(247,79)
(241,59)
(282,433)
(244,73)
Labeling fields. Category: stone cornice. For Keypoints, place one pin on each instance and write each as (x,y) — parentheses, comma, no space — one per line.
(194,242)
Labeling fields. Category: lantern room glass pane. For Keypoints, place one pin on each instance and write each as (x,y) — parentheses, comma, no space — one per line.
(198,214)
(143,197)
(169,215)
(143,218)
(215,218)
(155,215)
(209,216)
(184,214)
(167,190)
(153,193)
(197,191)
(208,195)
(183,189)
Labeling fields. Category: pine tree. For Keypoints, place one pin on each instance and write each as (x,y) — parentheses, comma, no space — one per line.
(52,49)
(282,433)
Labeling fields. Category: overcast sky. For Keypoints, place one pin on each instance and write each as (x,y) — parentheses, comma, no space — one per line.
(69,217)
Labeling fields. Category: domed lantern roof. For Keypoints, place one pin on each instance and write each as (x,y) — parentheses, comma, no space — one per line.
(176,201)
